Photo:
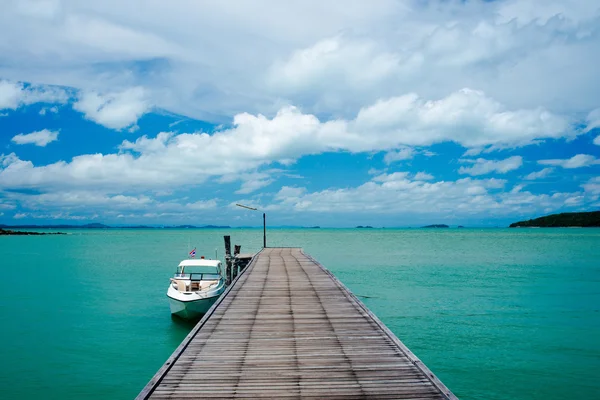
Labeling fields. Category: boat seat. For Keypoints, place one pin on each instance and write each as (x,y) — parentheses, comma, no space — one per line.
(181,286)
(205,284)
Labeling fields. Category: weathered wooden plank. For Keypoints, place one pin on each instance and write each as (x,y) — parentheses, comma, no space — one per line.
(287,328)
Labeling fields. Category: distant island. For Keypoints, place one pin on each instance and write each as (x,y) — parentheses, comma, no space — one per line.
(436,226)
(86,226)
(102,226)
(6,232)
(563,220)
(364,227)
(197,227)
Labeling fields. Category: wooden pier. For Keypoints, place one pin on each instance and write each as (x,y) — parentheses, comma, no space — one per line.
(287,328)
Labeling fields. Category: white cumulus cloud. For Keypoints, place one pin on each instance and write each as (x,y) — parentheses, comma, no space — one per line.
(94,203)
(114,110)
(423,176)
(83,200)
(539,174)
(407,199)
(10,95)
(52,110)
(482,166)
(39,138)
(203,205)
(15,94)
(405,153)
(253,185)
(593,120)
(577,161)
(467,117)
(593,186)
(326,57)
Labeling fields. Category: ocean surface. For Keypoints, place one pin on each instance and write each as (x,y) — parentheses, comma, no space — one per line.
(495,313)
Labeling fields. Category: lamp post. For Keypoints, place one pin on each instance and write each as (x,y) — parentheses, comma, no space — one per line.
(264,222)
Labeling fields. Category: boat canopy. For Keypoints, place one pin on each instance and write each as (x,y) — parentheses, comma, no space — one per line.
(199,263)
(199,266)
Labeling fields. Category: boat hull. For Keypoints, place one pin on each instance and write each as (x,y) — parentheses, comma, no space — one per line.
(191,309)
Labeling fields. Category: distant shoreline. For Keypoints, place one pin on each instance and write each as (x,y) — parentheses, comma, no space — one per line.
(102,226)
(215,227)
(193,227)
(8,232)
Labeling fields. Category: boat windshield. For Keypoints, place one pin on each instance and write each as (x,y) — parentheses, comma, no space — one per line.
(204,273)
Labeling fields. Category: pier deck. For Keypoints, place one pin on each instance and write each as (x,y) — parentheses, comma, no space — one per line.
(287,328)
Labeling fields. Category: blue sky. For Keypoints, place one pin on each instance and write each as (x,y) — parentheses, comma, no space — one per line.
(384,113)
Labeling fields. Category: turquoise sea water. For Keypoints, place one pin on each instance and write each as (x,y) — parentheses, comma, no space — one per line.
(495,313)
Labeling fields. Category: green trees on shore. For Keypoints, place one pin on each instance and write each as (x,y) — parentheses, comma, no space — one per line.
(581,219)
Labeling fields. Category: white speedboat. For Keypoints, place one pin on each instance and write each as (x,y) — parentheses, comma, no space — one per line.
(196,286)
